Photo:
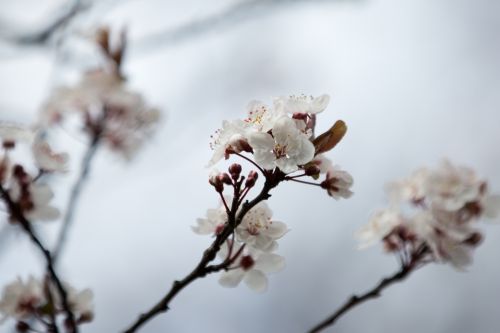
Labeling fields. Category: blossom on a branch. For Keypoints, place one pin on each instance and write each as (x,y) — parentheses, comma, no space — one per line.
(434,212)
(31,300)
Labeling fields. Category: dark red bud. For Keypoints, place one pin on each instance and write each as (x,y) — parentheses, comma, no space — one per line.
(235,170)
(217,183)
(252,178)
(224,178)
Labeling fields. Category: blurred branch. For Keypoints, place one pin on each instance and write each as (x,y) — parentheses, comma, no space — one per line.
(234,218)
(76,191)
(42,36)
(235,14)
(17,214)
(355,300)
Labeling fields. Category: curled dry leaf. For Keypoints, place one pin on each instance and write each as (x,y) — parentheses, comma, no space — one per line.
(330,138)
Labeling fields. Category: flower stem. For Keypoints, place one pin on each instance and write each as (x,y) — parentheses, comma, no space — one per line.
(255,164)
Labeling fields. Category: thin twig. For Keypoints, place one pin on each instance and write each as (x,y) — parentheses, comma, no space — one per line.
(26,225)
(252,162)
(356,300)
(74,196)
(203,268)
(42,36)
(302,181)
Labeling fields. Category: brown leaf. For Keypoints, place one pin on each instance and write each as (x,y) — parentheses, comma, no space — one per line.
(330,138)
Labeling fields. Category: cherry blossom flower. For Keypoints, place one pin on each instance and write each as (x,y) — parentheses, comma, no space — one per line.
(33,199)
(451,187)
(252,269)
(108,108)
(80,303)
(46,159)
(338,183)
(258,230)
(380,225)
(261,117)
(214,222)
(21,299)
(445,205)
(231,138)
(286,148)
(10,134)
(303,104)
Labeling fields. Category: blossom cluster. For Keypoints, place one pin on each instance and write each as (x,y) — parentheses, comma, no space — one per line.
(33,301)
(282,137)
(280,142)
(20,179)
(251,252)
(108,109)
(433,216)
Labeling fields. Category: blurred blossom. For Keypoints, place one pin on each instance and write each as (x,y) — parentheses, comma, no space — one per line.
(435,209)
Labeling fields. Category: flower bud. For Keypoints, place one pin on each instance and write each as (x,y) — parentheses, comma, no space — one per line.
(235,170)
(216,182)
(251,179)
(224,178)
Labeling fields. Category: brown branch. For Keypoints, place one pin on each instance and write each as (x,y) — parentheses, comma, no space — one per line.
(203,268)
(17,214)
(355,300)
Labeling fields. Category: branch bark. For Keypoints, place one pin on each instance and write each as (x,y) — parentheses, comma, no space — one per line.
(75,195)
(26,225)
(203,268)
(355,300)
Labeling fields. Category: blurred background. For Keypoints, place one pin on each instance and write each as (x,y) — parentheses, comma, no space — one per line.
(416,81)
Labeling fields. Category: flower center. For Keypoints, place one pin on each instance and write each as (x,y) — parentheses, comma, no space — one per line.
(279,151)
(247,262)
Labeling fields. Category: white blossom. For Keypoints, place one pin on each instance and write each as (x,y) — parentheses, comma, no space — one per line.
(81,302)
(230,138)
(262,118)
(445,205)
(252,269)
(258,230)
(46,159)
(103,97)
(338,183)
(20,299)
(380,225)
(451,187)
(10,133)
(214,221)
(286,148)
(303,104)
(35,201)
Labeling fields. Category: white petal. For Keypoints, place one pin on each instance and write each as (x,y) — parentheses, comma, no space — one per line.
(256,280)
(277,229)
(491,206)
(270,263)
(231,278)
(319,103)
